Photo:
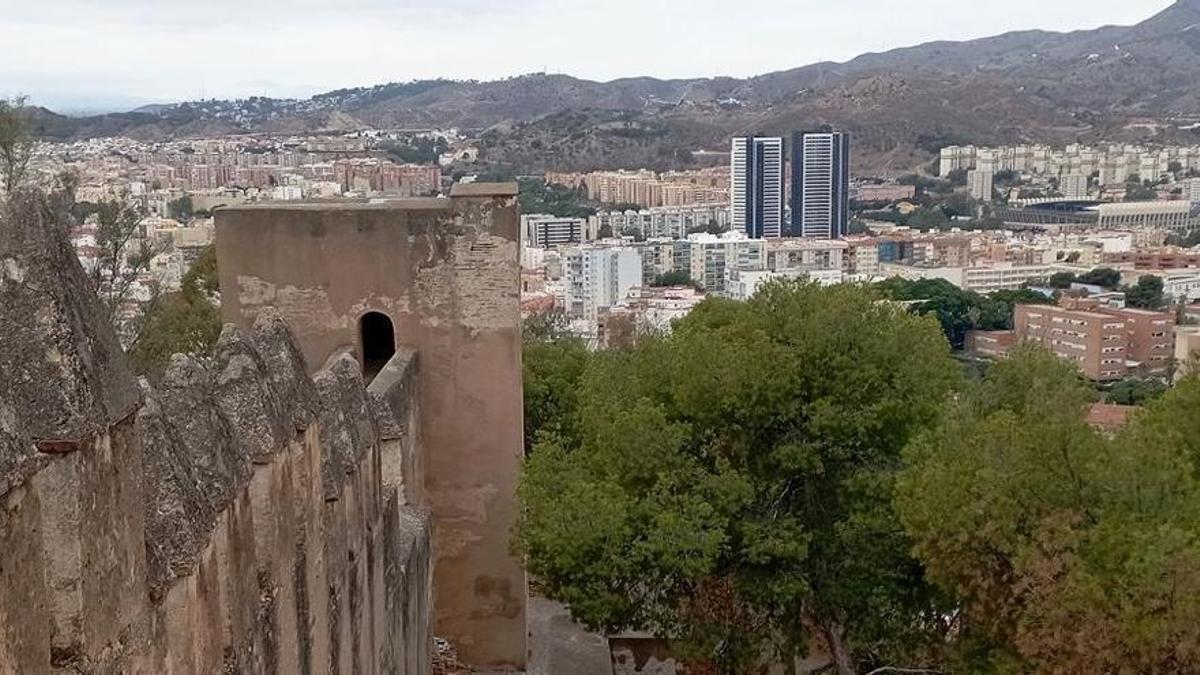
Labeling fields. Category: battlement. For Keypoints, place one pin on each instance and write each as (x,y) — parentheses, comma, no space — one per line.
(436,280)
(240,516)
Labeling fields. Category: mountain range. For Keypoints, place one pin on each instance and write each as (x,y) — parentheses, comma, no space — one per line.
(1116,83)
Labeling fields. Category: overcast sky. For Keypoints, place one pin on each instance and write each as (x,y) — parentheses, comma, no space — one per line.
(113,53)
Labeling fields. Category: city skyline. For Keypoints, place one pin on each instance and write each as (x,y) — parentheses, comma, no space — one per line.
(133,52)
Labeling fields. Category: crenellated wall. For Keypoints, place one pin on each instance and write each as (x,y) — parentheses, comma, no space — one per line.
(444,276)
(238,517)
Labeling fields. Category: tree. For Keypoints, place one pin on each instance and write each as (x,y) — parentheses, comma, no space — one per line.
(929,218)
(184,322)
(181,209)
(420,150)
(1137,191)
(962,205)
(1190,240)
(711,227)
(959,311)
(730,485)
(122,253)
(1065,551)
(16,143)
(1135,391)
(673,278)
(1105,277)
(536,196)
(1147,293)
(553,364)
(1061,280)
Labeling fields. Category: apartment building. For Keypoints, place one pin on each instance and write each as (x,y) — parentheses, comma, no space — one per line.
(1096,342)
(642,311)
(756,186)
(710,256)
(1115,162)
(861,259)
(598,277)
(1150,339)
(649,189)
(743,284)
(990,344)
(543,231)
(807,255)
(883,193)
(981,184)
(977,278)
(1155,259)
(1074,186)
(820,185)
(674,222)
(1187,350)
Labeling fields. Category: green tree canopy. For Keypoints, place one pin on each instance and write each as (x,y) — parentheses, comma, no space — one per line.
(673,278)
(181,209)
(730,483)
(184,322)
(16,143)
(537,196)
(553,364)
(1061,280)
(960,311)
(1135,391)
(1147,293)
(1105,277)
(1068,551)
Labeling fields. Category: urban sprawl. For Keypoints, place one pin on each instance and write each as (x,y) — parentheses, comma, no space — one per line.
(1078,226)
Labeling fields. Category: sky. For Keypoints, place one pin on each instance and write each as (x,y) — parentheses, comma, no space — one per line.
(94,55)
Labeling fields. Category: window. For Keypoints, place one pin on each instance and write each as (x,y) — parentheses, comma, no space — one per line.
(377,339)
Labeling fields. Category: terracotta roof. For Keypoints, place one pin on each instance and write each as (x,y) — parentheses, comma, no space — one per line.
(1109,417)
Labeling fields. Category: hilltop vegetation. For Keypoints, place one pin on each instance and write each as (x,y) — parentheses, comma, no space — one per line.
(809,472)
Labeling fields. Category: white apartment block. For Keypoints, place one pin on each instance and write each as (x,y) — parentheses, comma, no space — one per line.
(1115,162)
(807,255)
(710,256)
(743,284)
(1183,286)
(670,222)
(980,278)
(1192,190)
(981,182)
(1074,186)
(598,277)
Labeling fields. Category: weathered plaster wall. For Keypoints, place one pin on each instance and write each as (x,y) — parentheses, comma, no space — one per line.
(235,518)
(446,272)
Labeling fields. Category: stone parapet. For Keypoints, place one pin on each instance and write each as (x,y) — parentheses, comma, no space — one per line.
(232,518)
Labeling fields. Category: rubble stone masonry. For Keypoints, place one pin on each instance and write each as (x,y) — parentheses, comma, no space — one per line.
(239,517)
(445,274)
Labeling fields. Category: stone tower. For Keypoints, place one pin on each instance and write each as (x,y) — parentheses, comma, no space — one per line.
(438,278)
(233,516)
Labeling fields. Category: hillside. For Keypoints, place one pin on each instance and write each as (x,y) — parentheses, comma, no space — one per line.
(1119,83)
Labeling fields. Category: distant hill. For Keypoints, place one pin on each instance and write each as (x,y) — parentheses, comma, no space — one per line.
(1122,83)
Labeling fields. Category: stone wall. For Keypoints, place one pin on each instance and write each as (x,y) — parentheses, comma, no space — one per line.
(239,517)
(445,272)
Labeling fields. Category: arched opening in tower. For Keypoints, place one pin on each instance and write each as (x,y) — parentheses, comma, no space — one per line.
(378,339)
